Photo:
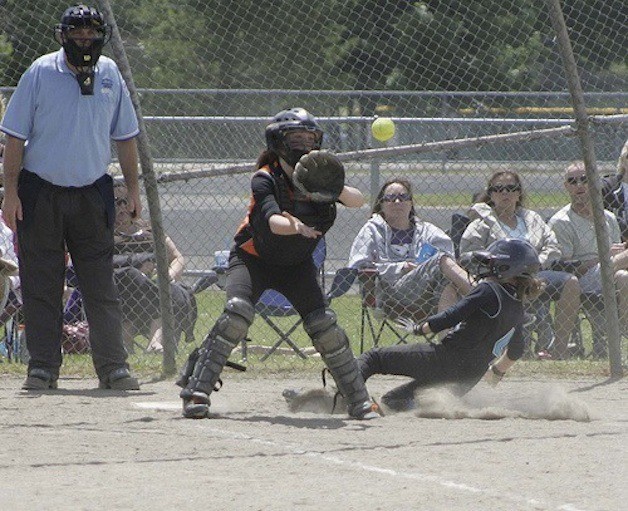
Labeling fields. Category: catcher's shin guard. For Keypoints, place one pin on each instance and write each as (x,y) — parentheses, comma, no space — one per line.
(332,343)
(231,327)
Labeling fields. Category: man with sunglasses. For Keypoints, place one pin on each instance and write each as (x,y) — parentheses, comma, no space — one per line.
(573,225)
(59,123)
(615,192)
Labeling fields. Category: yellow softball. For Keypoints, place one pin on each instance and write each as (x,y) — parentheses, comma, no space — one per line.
(383,129)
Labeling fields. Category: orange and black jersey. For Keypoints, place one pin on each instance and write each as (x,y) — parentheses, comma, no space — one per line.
(272,194)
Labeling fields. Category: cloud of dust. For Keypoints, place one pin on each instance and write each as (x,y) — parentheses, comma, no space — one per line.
(314,401)
(485,403)
(549,403)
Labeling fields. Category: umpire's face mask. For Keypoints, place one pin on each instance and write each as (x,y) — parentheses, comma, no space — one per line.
(83,47)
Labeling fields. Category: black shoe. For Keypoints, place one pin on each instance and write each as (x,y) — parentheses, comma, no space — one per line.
(399,404)
(39,379)
(119,379)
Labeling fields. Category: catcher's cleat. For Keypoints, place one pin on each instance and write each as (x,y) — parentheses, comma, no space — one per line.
(365,411)
(195,404)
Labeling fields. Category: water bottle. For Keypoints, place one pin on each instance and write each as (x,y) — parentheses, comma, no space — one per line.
(221,258)
(425,252)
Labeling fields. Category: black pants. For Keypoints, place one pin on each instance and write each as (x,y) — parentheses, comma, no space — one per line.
(423,364)
(248,277)
(77,218)
(139,302)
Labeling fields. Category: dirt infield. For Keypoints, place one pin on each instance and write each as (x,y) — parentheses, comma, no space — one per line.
(79,448)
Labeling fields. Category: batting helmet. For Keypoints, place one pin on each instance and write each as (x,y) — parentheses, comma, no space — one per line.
(292,119)
(507,258)
(82,16)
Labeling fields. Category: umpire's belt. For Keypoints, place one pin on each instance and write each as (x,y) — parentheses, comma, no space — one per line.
(30,184)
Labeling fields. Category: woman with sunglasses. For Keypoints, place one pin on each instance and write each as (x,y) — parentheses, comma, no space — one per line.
(500,214)
(417,271)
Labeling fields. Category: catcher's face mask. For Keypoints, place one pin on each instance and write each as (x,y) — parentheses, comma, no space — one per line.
(302,141)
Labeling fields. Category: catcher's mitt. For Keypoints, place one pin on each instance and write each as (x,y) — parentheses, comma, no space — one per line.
(319,176)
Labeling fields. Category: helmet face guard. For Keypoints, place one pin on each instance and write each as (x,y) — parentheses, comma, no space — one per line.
(290,121)
(506,259)
(83,57)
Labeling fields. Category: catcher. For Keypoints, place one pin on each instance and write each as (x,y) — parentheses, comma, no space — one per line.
(293,204)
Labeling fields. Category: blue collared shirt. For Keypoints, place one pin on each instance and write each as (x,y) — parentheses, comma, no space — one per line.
(68,135)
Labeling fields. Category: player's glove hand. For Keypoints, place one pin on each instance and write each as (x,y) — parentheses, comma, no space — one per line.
(319,176)
(410,326)
(493,376)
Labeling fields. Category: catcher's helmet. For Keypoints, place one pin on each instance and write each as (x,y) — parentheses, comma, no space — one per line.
(507,258)
(292,119)
(82,16)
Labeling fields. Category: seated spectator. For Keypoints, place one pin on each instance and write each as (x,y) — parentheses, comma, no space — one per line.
(2,109)
(575,232)
(500,214)
(615,192)
(417,270)
(10,300)
(134,268)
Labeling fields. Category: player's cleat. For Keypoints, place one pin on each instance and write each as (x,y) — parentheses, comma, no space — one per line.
(365,411)
(39,379)
(398,404)
(195,404)
(119,379)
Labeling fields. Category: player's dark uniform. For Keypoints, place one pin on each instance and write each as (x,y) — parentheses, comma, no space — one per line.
(487,321)
(261,260)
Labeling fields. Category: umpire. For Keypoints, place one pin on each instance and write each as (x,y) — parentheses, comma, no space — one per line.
(58,195)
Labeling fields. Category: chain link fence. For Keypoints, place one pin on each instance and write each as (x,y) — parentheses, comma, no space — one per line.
(210,74)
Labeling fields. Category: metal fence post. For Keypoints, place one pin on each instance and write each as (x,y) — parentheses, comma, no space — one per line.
(588,155)
(152,195)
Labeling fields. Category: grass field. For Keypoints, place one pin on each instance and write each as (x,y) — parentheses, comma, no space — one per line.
(348,309)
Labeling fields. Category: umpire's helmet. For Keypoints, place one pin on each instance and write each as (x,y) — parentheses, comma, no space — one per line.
(82,16)
(507,258)
(292,119)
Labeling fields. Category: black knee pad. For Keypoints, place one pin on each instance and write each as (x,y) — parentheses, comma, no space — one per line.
(322,327)
(234,322)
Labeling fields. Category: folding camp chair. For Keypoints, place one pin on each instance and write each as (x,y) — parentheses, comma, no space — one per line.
(375,321)
(459,223)
(272,305)
(592,310)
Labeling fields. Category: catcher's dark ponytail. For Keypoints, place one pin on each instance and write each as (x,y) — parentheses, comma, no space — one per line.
(266,157)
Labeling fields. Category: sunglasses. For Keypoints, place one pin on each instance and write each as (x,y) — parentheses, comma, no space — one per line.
(503,188)
(573,180)
(392,197)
